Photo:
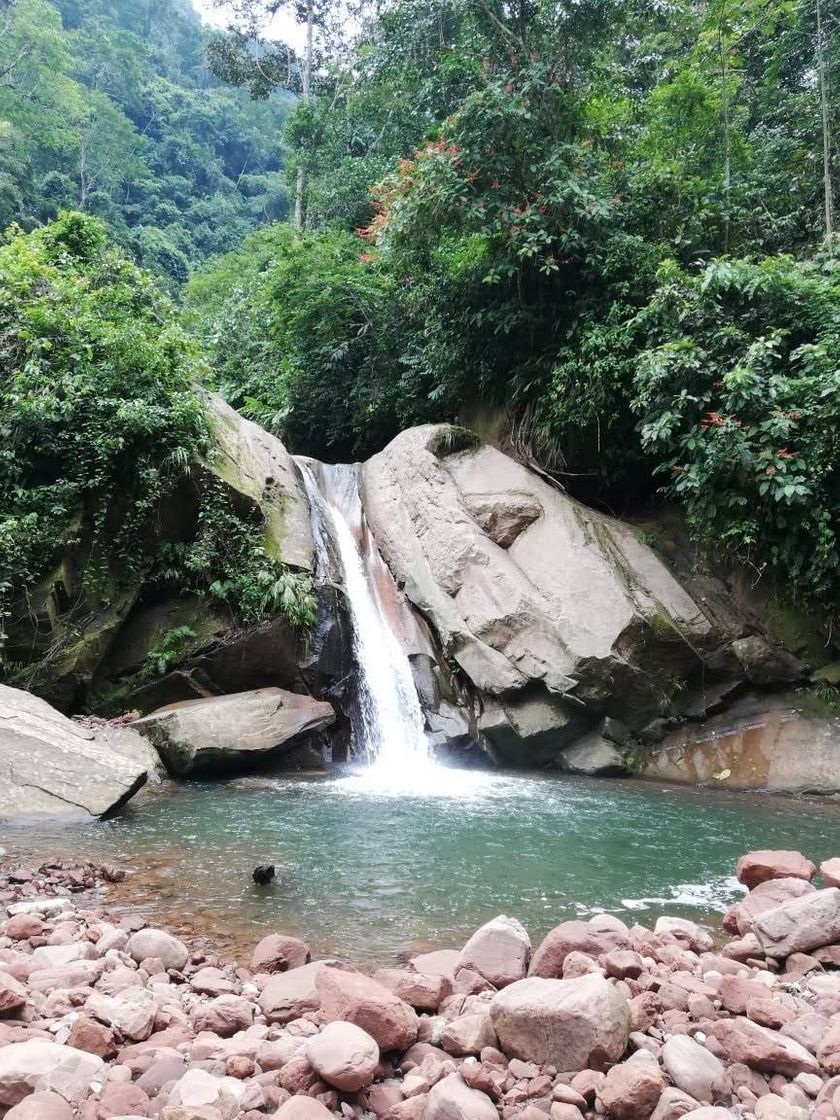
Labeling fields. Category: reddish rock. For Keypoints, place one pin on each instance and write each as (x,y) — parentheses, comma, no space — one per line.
(561,1110)
(224,1016)
(468,1034)
(158,943)
(800,925)
(289,995)
(442,962)
(122,1100)
(412,1109)
(644,1009)
(39,1066)
(623,964)
(588,1082)
(500,951)
(830,872)
(12,994)
(354,998)
(303,1108)
(693,1068)
(735,991)
(767,895)
(420,990)
(770,1011)
(95,1038)
(828,1049)
(23,926)
(213,982)
(632,1089)
(575,1023)
(762,1049)
(344,1055)
(453,1099)
(688,932)
(382,1097)
(297,1075)
(278,953)
(240,1066)
(570,937)
(807,1029)
(759,866)
(41,1106)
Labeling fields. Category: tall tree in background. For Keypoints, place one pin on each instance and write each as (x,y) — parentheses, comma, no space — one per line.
(246,56)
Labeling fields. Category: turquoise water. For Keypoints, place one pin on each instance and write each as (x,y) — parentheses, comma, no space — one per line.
(367,873)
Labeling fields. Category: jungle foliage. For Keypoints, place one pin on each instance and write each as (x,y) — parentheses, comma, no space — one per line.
(611,223)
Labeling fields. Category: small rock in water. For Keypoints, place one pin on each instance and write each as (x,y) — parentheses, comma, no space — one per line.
(263,873)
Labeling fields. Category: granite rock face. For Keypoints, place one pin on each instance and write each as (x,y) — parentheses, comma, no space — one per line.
(557,614)
(50,764)
(231,734)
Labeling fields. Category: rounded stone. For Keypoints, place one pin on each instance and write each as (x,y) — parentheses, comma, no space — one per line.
(344,1055)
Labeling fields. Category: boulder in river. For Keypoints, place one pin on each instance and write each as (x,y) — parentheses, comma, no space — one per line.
(53,765)
(536,597)
(233,734)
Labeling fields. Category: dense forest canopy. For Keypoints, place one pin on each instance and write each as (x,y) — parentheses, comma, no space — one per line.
(110,108)
(605,229)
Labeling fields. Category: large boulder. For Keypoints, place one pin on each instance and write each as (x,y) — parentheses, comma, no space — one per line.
(760,1048)
(52,764)
(800,925)
(344,1056)
(255,464)
(278,952)
(289,995)
(231,734)
(159,945)
(499,951)
(534,596)
(39,1066)
(758,743)
(452,1099)
(693,1068)
(354,998)
(67,628)
(574,937)
(763,865)
(571,1024)
(766,896)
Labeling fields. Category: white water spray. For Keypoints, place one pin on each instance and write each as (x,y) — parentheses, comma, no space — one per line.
(390,737)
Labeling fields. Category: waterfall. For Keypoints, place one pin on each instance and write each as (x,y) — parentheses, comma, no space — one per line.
(388,733)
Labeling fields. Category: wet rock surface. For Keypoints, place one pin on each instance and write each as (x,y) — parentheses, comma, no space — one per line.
(103,1017)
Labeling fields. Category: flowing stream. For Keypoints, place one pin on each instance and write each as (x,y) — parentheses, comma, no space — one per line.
(388,732)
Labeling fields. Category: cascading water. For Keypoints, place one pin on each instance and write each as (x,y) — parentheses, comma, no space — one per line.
(389,735)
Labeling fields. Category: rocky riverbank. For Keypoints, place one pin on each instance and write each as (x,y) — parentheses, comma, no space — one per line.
(107,1019)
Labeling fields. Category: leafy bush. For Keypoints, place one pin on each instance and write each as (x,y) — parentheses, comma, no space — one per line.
(738,394)
(98,418)
(226,561)
(303,334)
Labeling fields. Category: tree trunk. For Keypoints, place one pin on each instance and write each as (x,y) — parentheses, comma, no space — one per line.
(828,202)
(306,87)
(727,137)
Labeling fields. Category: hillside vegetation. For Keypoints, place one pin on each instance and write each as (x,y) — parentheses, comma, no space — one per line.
(606,228)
